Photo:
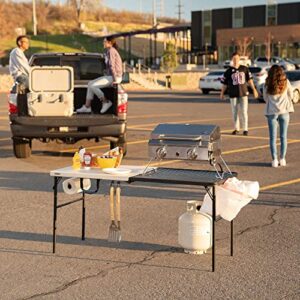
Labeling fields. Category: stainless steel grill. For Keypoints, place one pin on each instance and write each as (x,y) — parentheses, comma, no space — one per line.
(186,142)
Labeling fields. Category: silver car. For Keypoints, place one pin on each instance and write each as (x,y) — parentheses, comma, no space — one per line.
(274,60)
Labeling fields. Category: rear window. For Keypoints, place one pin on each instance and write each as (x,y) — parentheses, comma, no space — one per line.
(91,68)
(85,68)
(254,70)
(46,61)
(262,59)
(293,76)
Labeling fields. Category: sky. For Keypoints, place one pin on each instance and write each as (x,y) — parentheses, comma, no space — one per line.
(171,6)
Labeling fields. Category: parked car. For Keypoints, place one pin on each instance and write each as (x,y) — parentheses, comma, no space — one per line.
(244,60)
(211,81)
(263,61)
(110,126)
(294,78)
(297,66)
(259,75)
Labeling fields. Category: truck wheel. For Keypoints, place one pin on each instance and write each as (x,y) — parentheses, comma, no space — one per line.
(205,91)
(120,143)
(22,148)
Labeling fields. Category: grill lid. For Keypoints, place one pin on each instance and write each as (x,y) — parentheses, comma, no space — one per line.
(186,132)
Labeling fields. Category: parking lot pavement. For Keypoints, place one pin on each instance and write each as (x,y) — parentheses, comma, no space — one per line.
(148,263)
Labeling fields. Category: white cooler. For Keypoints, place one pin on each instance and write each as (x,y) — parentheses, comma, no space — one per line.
(51,91)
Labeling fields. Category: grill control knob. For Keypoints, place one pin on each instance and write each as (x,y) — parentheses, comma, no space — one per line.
(192,154)
(161,152)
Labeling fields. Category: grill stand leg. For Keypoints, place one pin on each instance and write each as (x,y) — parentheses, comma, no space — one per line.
(213,227)
(231,238)
(83,210)
(56,181)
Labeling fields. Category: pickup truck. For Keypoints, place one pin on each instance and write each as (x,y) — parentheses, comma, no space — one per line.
(110,126)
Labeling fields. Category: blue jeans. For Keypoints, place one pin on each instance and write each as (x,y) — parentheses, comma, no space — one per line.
(243,103)
(283,121)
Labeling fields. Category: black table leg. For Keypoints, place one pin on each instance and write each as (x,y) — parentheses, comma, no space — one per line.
(231,238)
(56,180)
(213,227)
(83,210)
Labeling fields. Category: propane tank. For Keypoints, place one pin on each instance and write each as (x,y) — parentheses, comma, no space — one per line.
(194,229)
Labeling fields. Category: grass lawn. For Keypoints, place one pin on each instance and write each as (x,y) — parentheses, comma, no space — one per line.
(58,43)
(55,43)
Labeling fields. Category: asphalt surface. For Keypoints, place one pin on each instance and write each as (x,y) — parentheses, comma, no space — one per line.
(148,263)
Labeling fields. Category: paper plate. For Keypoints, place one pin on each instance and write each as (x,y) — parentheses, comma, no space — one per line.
(116,171)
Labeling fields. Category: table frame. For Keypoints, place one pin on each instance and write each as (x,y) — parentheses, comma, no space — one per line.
(211,192)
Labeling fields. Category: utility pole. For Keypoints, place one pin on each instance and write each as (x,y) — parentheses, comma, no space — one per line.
(179,12)
(154,12)
(34,22)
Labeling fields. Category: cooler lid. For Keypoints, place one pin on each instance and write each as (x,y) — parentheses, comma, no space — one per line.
(51,79)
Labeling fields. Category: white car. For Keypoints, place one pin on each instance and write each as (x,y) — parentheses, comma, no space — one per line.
(294,78)
(259,75)
(274,60)
(244,60)
(211,81)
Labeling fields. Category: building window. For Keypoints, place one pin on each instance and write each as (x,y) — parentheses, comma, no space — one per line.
(206,27)
(271,17)
(237,17)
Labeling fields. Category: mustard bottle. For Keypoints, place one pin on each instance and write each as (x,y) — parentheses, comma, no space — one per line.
(76,161)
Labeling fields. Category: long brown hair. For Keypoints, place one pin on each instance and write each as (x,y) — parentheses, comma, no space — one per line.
(276,81)
(113,41)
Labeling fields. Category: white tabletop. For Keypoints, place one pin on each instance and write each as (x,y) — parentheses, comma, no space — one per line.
(97,173)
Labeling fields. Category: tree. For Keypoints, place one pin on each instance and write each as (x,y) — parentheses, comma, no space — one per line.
(268,43)
(81,5)
(169,58)
(243,45)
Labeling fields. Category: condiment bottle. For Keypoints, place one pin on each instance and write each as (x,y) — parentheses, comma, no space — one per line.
(87,159)
(76,161)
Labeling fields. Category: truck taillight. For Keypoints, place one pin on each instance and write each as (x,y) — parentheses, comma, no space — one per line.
(122,108)
(13,109)
(12,103)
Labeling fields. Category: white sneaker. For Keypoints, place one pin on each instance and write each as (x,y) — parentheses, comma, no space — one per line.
(84,110)
(105,107)
(282,162)
(275,163)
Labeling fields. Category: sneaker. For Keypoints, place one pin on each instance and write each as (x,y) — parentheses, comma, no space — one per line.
(105,107)
(234,132)
(245,132)
(84,110)
(275,163)
(282,162)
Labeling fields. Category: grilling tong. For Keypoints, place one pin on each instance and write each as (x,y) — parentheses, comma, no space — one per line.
(114,233)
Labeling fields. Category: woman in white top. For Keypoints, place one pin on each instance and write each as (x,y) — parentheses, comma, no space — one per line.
(278,94)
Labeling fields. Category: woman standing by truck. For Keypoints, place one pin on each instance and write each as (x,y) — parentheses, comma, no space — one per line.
(113,75)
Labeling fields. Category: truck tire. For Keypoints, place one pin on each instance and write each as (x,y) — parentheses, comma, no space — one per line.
(205,91)
(22,148)
(120,143)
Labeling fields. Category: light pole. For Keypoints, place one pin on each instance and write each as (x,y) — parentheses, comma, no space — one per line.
(34,22)
(154,12)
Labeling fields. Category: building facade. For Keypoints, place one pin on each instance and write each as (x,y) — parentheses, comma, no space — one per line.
(253,30)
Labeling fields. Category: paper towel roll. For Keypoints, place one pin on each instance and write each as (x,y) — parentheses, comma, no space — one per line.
(71,186)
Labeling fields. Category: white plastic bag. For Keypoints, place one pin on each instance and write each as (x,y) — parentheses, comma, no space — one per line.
(231,197)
